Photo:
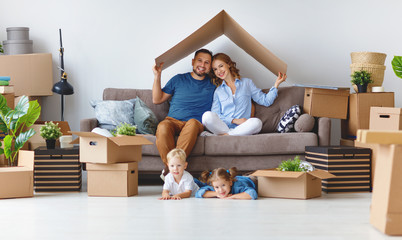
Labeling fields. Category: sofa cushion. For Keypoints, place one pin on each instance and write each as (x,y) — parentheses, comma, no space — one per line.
(112,113)
(144,118)
(286,124)
(305,123)
(260,144)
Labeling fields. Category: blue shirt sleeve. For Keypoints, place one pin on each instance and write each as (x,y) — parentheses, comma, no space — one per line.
(217,107)
(245,184)
(200,193)
(265,99)
(170,86)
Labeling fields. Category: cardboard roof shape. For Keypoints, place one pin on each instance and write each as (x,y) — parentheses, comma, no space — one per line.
(221,24)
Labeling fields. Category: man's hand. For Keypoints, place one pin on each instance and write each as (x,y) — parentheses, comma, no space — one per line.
(157,69)
(281,78)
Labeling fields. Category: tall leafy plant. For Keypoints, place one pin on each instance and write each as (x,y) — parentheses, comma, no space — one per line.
(14,122)
(397,66)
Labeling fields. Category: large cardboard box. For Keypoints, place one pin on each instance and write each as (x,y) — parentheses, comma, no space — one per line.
(385,118)
(222,24)
(300,185)
(386,207)
(10,99)
(359,111)
(374,152)
(16,182)
(37,141)
(113,180)
(31,74)
(319,102)
(95,148)
(350,165)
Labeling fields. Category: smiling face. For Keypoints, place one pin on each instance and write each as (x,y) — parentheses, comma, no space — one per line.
(222,187)
(202,64)
(221,69)
(177,167)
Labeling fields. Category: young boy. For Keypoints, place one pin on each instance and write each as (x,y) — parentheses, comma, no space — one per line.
(178,183)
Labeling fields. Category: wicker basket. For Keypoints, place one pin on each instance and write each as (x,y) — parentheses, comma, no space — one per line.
(368,57)
(377,73)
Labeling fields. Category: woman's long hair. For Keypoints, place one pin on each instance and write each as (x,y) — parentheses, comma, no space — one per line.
(232,68)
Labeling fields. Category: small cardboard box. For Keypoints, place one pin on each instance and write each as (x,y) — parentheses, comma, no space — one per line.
(31,74)
(112,180)
(10,99)
(301,185)
(385,118)
(37,141)
(95,148)
(359,111)
(329,103)
(16,182)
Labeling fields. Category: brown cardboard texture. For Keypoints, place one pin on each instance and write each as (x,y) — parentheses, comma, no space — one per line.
(16,182)
(31,74)
(10,99)
(37,141)
(347,142)
(379,137)
(359,110)
(374,152)
(385,118)
(222,24)
(95,148)
(300,185)
(326,102)
(112,180)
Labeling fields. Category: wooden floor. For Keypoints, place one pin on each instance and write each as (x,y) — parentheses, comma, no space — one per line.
(77,216)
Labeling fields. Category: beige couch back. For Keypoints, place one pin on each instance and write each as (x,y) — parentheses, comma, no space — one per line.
(270,116)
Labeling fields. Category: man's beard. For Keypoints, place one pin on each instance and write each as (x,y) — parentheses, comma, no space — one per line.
(199,74)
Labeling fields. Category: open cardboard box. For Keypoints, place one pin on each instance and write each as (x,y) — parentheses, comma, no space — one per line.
(300,185)
(95,148)
(16,182)
(222,24)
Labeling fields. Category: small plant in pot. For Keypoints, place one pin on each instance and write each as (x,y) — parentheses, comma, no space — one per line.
(125,129)
(50,132)
(361,79)
(295,165)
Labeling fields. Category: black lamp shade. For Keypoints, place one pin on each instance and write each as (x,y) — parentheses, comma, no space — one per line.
(63,88)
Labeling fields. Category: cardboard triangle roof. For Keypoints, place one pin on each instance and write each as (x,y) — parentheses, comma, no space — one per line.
(222,24)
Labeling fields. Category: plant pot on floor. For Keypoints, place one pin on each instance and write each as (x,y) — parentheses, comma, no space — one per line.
(50,143)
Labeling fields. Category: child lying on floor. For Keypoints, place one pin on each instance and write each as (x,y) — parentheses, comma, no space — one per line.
(224,184)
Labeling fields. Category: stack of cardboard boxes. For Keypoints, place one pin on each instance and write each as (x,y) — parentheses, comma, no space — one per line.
(111,163)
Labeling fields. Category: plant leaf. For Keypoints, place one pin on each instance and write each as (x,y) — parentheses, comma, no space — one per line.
(22,139)
(32,114)
(8,140)
(397,65)
(21,109)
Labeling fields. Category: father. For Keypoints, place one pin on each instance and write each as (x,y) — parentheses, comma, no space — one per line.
(191,95)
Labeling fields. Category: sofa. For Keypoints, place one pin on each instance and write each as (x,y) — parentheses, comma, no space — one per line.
(248,153)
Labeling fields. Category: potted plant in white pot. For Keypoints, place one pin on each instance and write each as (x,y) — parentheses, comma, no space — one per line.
(361,79)
(50,132)
(14,123)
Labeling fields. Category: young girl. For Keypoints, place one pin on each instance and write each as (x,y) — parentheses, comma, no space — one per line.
(231,106)
(224,184)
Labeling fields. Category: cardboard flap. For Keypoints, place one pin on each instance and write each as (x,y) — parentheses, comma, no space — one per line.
(275,173)
(26,159)
(222,23)
(112,167)
(380,137)
(130,140)
(87,134)
(321,174)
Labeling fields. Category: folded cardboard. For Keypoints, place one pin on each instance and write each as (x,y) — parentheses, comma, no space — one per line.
(37,141)
(95,148)
(16,182)
(300,185)
(374,153)
(31,74)
(359,111)
(385,118)
(350,165)
(329,103)
(112,180)
(222,24)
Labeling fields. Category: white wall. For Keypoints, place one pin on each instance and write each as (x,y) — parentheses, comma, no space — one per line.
(114,43)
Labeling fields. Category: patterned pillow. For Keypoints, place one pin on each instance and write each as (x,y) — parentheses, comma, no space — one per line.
(144,118)
(286,124)
(111,113)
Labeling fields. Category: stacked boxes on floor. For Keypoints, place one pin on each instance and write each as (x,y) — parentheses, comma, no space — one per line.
(111,163)
(350,165)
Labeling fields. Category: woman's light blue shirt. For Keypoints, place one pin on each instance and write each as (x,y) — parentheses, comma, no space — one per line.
(229,107)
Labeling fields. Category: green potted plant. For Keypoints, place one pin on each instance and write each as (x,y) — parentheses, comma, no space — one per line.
(50,132)
(295,165)
(125,129)
(361,79)
(397,66)
(1,49)
(14,123)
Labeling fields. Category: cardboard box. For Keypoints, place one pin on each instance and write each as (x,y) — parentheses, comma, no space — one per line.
(95,148)
(350,165)
(329,103)
(359,111)
(37,141)
(222,24)
(16,182)
(347,142)
(386,207)
(385,118)
(374,153)
(31,74)
(10,99)
(113,180)
(300,185)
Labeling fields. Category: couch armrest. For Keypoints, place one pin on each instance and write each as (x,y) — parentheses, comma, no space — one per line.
(324,131)
(86,125)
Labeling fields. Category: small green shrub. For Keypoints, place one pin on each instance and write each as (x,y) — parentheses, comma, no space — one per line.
(126,129)
(50,131)
(361,78)
(292,165)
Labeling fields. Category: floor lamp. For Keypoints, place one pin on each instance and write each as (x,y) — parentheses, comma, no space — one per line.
(62,87)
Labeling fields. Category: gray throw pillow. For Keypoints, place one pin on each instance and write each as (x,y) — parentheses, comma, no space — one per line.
(144,118)
(111,113)
(305,123)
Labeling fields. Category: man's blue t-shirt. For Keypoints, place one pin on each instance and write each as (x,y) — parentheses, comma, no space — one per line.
(190,97)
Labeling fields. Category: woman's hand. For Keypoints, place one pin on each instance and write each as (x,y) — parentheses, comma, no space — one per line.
(281,78)
(239,121)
